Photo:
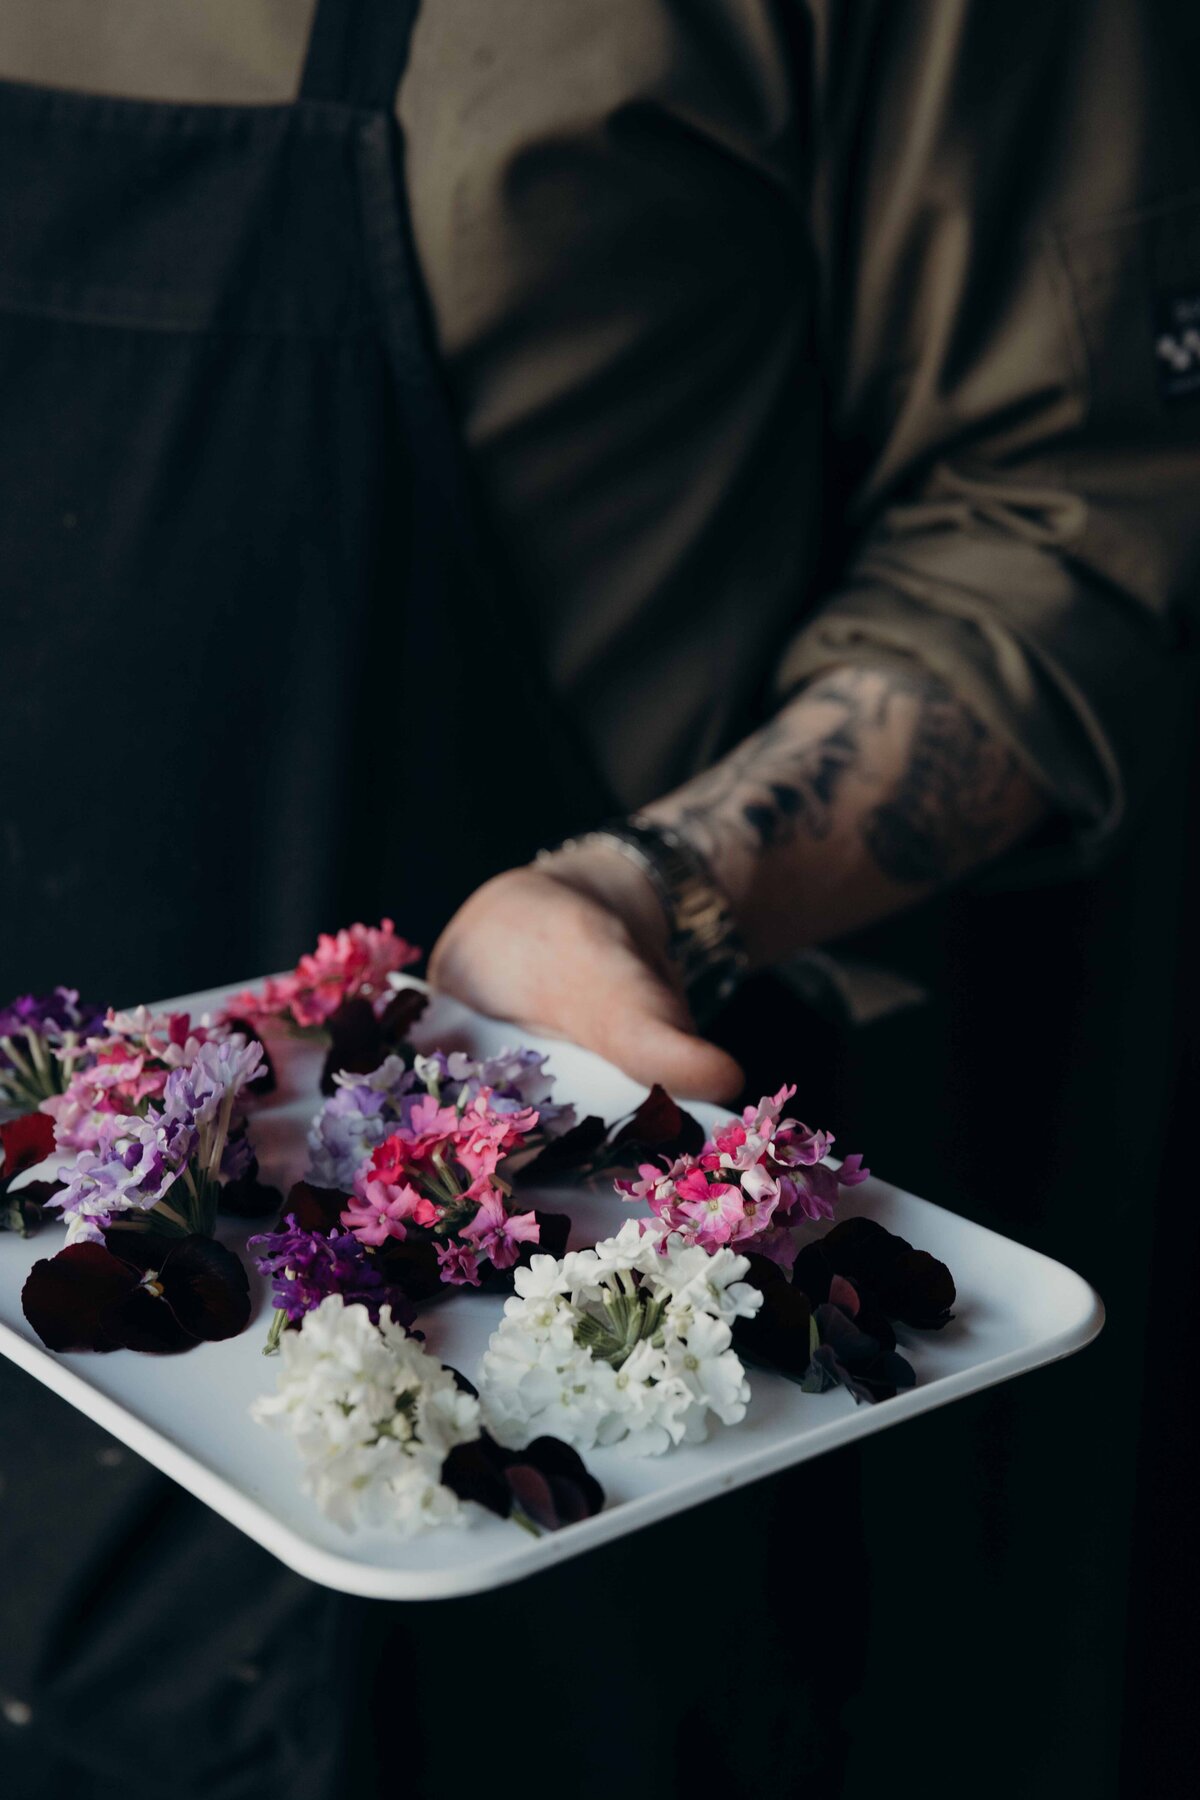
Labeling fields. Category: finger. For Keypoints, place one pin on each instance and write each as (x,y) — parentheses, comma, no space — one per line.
(645,1030)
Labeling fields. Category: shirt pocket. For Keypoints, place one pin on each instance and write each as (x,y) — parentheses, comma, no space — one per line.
(1132,286)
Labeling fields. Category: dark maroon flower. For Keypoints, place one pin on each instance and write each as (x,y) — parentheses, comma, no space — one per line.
(547,1483)
(24,1143)
(411,1263)
(905,1284)
(779,1333)
(359,1040)
(316,1208)
(850,1357)
(249,1198)
(574,1151)
(659,1127)
(138,1291)
(400,1014)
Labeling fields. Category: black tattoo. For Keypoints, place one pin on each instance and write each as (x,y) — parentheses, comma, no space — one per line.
(952,806)
(950,809)
(772,788)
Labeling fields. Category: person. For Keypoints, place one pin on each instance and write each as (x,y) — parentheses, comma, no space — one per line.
(744,452)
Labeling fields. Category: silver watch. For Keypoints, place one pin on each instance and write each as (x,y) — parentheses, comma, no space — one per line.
(704,940)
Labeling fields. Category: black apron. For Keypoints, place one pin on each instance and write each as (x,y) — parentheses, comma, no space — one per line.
(260,673)
(259,676)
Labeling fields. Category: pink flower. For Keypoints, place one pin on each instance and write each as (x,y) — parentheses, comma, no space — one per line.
(124,1070)
(655,1185)
(352,964)
(752,1179)
(713,1208)
(499,1235)
(485,1136)
(379,1209)
(852,1171)
(430,1130)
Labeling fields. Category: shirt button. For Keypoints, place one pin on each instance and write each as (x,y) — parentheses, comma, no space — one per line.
(17,1712)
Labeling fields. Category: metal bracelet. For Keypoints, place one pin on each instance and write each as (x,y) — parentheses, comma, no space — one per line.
(704,941)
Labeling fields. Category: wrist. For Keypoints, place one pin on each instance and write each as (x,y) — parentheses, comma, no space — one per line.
(704,953)
(601,872)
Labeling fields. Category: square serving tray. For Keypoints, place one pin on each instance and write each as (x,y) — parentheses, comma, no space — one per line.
(189,1415)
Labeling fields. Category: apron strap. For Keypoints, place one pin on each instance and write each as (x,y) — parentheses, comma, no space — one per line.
(357,52)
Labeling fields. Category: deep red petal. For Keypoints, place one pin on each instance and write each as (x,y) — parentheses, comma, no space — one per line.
(25,1142)
(206,1287)
(315,1208)
(74,1300)
(661,1125)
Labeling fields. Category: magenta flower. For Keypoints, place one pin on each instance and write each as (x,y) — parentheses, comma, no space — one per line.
(752,1179)
(498,1234)
(458,1264)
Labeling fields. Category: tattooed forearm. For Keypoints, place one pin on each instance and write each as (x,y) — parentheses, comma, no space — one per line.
(874,779)
(951,806)
(784,781)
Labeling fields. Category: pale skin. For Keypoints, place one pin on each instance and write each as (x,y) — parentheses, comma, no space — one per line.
(873,788)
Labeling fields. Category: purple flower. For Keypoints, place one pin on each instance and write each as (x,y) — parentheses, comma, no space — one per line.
(307,1266)
(40,1038)
(50,1015)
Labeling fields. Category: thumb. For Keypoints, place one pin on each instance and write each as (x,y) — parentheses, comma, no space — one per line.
(646,1030)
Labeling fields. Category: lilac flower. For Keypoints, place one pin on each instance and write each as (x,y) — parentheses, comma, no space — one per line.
(307,1266)
(220,1071)
(237,1158)
(195,1135)
(517,1078)
(133,1171)
(364,1110)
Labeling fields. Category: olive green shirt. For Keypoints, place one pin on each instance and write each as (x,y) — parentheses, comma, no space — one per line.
(783,333)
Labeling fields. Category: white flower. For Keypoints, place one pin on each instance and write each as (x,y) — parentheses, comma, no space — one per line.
(628,1343)
(544,1276)
(704,1362)
(373,1416)
(704,1281)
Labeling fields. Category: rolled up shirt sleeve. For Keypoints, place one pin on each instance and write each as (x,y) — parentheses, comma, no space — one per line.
(1011,334)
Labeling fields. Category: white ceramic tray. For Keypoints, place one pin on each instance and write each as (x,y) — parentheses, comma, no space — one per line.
(188,1414)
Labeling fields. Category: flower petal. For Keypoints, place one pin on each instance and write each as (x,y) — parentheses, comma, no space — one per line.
(74,1300)
(206,1287)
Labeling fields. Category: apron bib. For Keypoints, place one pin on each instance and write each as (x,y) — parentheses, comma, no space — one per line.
(258,673)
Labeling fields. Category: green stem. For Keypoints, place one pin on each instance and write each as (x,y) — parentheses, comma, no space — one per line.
(168,1212)
(19,1062)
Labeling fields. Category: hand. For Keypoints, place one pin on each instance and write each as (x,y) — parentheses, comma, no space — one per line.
(578,948)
